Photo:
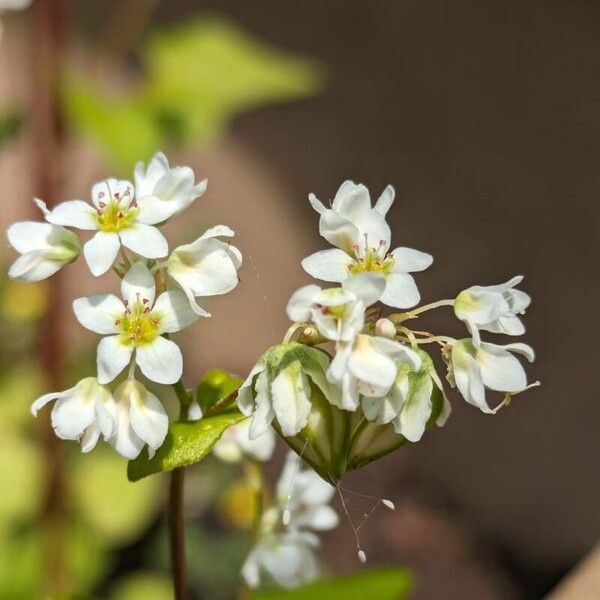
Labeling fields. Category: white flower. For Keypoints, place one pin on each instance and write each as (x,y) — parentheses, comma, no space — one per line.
(135,325)
(288,558)
(44,249)
(367,366)
(235,443)
(82,412)
(472,369)
(363,237)
(288,555)
(14,4)
(305,497)
(409,403)
(492,308)
(141,419)
(338,313)
(118,218)
(163,190)
(206,267)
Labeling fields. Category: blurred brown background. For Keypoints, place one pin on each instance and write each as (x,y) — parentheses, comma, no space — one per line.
(485,117)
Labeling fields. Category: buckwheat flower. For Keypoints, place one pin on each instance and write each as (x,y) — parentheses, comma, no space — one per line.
(338,313)
(473,368)
(362,238)
(206,267)
(83,412)
(288,558)
(367,366)
(163,190)
(492,308)
(44,249)
(135,327)
(303,497)
(411,401)
(140,419)
(118,218)
(235,443)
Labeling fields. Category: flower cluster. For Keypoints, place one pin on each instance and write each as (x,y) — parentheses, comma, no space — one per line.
(286,542)
(161,293)
(378,369)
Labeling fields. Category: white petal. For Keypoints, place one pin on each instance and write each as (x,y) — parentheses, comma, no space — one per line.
(301,302)
(125,441)
(264,413)
(407,260)
(100,252)
(160,360)
(524,349)
(366,286)
(316,204)
(74,213)
(397,351)
(43,400)
(470,383)
(352,200)
(416,410)
(99,312)
(371,366)
(145,179)
(148,419)
(400,291)
(34,266)
(174,311)
(500,370)
(72,415)
(328,265)
(319,518)
(251,570)
(90,437)
(27,236)
(385,201)
(138,284)
(339,231)
(112,358)
(245,397)
(291,399)
(144,240)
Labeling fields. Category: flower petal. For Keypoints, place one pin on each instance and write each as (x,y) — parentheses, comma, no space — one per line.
(301,302)
(34,266)
(408,260)
(160,360)
(99,312)
(264,413)
(328,265)
(174,311)
(138,284)
(366,286)
(339,231)
(112,357)
(100,252)
(291,399)
(28,236)
(74,213)
(145,240)
(385,201)
(400,291)
(125,441)
(72,415)
(469,382)
(148,419)
(370,366)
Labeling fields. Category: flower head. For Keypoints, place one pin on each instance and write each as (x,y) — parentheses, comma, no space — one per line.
(140,419)
(338,313)
(206,267)
(492,308)
(82,412)
(235,443)
(165,191)
(44,249)
(473,368)
(135,326)
(362,238)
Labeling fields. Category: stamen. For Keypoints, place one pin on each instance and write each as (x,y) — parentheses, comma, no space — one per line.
(102,204)
(360,552)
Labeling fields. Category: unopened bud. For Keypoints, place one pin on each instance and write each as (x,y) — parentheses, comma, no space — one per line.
(388,503)
(385,328)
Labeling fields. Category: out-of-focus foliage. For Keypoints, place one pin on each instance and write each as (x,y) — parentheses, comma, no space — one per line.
(146,585)
(185,444)
(215,386)
(196,78)
(10,124)
(238,505)
(383,584)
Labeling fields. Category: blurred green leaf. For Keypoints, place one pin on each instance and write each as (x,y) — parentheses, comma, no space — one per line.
(118,511)
(185,444)
(215,386)
(198,76)
(383,584)
(144,584)
(10,124)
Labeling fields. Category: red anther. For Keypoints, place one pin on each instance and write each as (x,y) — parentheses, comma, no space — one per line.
(98,212)
(120,215)
(101,195)
(145,300)
(116,195)
(134,204)
(382,242)
(118,322)
(147,309)
(101,204)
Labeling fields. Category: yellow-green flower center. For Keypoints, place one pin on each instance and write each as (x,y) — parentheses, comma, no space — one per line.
(138,325)
(115,217)
(372,262)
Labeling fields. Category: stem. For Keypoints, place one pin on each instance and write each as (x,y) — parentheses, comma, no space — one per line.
(47,31)
(177,533)
(399,317)
(176,509)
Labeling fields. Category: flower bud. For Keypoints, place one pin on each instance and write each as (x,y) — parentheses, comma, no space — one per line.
(385,328)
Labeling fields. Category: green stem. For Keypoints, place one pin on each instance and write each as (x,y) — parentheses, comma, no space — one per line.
(399,317)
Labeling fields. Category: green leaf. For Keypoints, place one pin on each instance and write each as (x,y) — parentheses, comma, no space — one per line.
(383,584)
(185,444)
(143,584)
(215,386)
(10,124)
